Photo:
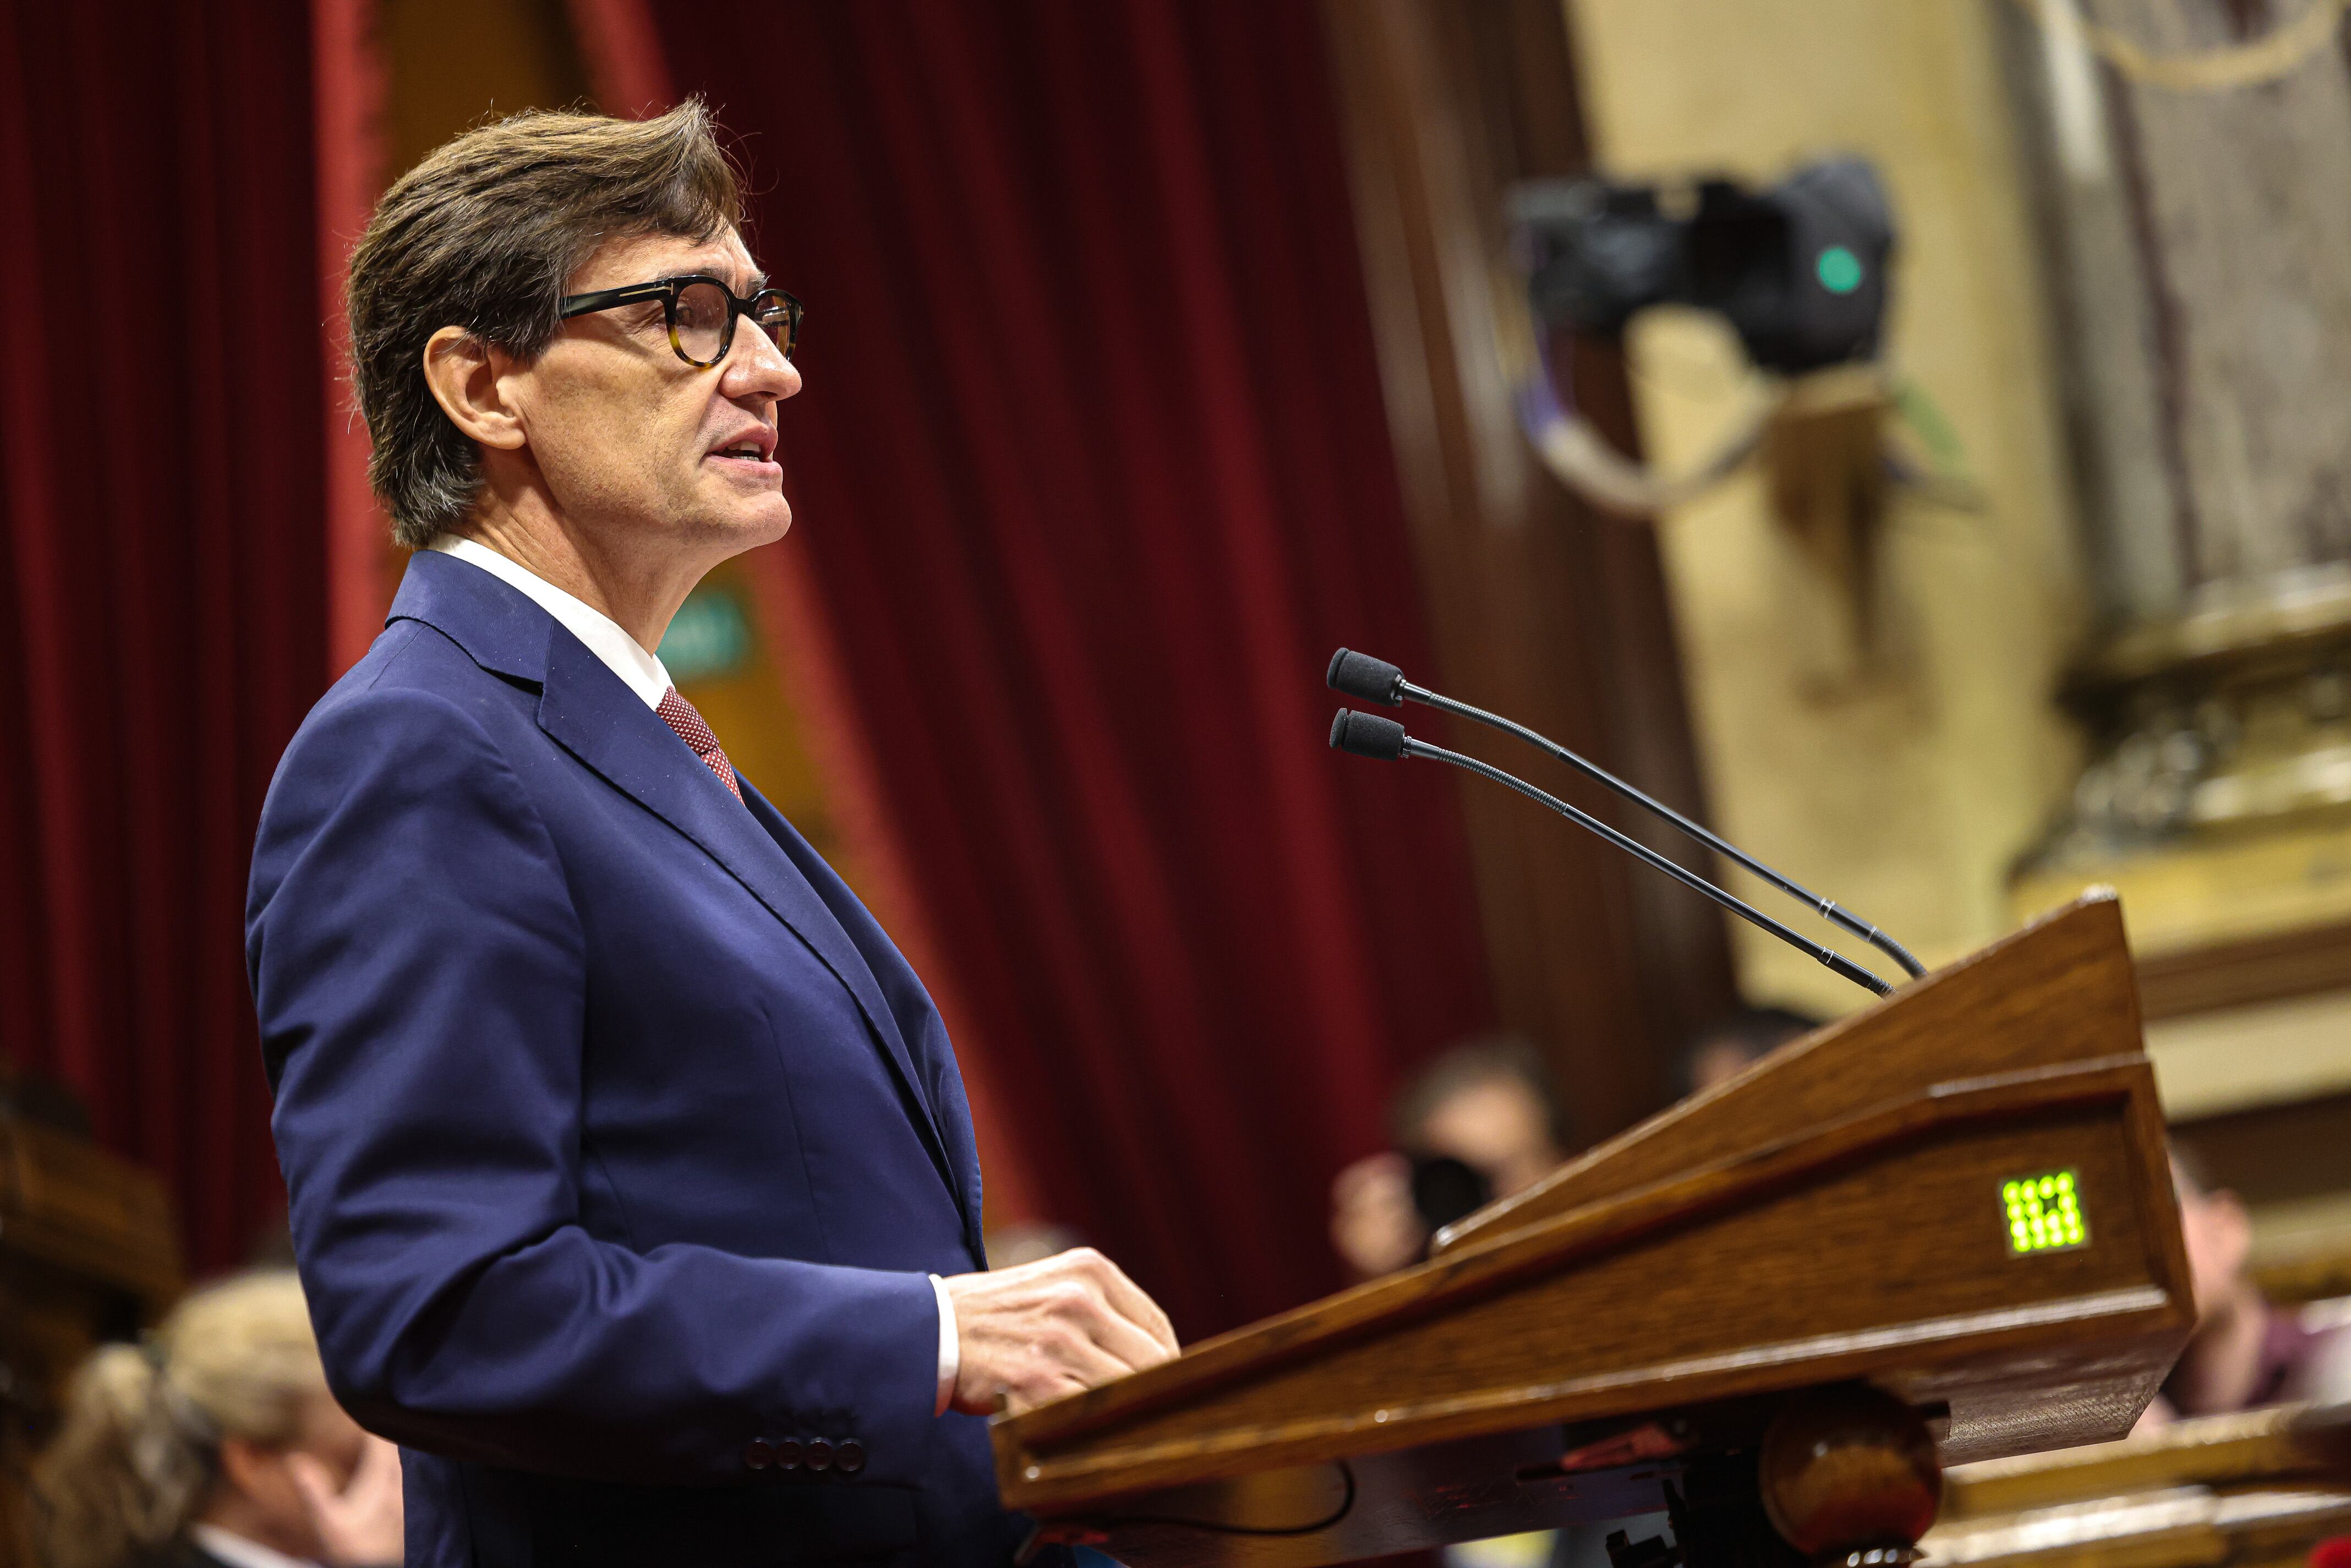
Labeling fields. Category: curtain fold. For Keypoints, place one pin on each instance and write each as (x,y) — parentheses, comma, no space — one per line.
(1091,474)
(630,72)
(163,620)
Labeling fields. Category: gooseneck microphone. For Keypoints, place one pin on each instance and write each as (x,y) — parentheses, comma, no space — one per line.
(1377,681)
(1369,735)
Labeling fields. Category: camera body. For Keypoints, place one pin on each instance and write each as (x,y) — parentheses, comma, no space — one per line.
(1799,270)
(1444,1189)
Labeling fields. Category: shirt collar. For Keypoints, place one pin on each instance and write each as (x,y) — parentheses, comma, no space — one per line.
(238,1552)
(640,672)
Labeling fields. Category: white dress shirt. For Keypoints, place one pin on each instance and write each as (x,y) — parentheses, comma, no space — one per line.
(640,672)
(643,674)
(238,1552)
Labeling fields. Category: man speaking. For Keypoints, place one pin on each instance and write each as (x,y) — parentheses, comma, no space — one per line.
(632,1179)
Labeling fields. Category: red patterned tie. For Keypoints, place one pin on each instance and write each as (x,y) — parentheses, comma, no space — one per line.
(679,715)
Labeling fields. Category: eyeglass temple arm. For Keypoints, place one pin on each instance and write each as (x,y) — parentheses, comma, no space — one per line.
(605,299)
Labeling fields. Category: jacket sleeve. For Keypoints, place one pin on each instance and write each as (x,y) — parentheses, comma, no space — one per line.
(419,972)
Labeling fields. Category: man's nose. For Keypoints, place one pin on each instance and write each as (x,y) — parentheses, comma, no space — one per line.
(756,366)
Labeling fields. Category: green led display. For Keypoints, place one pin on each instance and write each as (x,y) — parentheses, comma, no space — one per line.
(2044,1213)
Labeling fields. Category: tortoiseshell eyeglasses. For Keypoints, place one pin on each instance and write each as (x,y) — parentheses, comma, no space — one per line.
(701,312)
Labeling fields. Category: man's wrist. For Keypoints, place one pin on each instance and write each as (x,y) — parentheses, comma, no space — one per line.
(950,1346)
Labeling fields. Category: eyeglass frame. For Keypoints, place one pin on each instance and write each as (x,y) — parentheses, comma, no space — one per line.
(666,290)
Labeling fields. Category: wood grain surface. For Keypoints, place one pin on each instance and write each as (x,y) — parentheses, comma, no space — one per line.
(2300,962)
(2259,1487)
(2061,990)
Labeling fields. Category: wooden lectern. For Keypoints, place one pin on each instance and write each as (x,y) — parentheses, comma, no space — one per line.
(1942,1230)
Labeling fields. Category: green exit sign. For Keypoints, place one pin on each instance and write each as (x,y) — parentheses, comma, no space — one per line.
(2044,1213)
(709,639)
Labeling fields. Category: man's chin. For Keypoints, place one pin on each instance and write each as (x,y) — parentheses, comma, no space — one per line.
(748,522)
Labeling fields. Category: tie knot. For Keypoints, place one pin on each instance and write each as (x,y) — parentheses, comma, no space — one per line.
(681,716)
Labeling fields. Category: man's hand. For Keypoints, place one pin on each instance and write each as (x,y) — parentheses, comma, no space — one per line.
(358,1524)
(1037,1332)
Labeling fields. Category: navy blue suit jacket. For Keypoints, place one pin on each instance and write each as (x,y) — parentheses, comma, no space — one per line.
(620,1140)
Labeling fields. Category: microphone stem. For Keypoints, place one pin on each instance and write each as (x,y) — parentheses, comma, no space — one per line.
(1829,956)
(1828,910)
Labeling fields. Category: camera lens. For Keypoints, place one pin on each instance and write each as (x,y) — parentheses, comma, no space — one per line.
(1444,1189)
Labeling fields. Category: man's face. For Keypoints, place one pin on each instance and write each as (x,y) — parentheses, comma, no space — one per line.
(1718,1060)
(273,1504)
(1496,1125)
(2220,1239)
(630,437)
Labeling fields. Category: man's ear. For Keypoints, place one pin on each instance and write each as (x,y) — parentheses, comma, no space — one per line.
(241,1464)
(467,377)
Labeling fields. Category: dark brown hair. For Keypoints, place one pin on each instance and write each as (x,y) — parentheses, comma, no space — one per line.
(483,236)
(1486,1059)
(1753,1032)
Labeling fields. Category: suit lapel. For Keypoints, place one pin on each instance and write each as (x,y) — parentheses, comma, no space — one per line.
(586,709)
(906,1001)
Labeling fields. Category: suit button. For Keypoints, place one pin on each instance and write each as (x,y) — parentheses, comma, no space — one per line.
(819,1454)
(850,1457)
(758,1455)
(788,1455)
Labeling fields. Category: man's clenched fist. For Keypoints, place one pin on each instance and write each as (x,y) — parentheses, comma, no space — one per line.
(1037,1332)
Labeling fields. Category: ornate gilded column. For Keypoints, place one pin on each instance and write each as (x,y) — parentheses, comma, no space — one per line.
(2193,160)
(2203,311)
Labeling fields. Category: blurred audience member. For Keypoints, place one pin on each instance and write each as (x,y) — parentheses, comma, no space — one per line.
(1028,1242)
(1479,1122)
(217,1445)
(1725,1048)
(2246,1351)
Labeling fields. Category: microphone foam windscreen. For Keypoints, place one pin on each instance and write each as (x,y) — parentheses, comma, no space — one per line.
(1367,735)
(1361,675)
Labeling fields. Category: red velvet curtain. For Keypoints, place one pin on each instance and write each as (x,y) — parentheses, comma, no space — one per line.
(161,570)
(1092,474)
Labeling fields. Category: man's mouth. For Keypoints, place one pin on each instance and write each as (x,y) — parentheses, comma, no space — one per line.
(747,457)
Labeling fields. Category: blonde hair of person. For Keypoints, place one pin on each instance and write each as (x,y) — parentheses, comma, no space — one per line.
(137,1452)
